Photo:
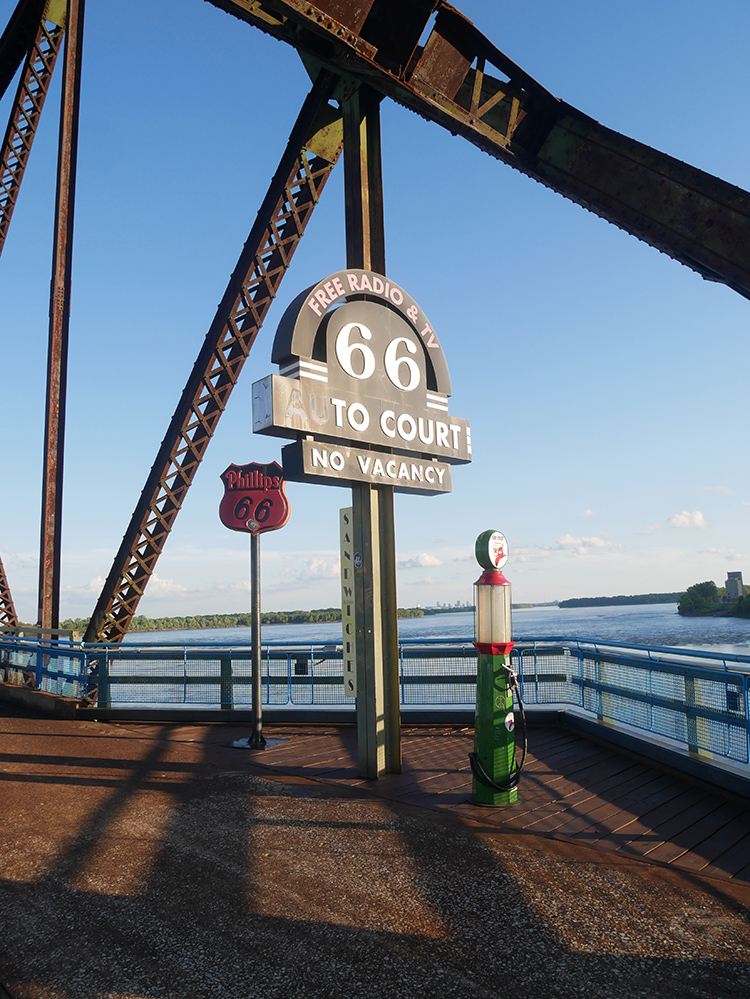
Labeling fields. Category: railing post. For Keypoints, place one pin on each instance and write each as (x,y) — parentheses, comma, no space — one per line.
(519,672)
(103,698)
(604,704)
(650,694)
(401,679)
(693,697)
(227,690)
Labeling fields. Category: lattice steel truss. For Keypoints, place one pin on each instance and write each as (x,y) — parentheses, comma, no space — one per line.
(8,616)
(24,117)
(312,152)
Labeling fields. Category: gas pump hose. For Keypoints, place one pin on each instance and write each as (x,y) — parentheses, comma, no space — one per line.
(514,776)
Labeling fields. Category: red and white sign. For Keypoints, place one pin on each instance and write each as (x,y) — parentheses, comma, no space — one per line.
(254,499)
(497,548)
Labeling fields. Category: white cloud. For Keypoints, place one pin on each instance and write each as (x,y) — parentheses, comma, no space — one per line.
(520,553)
(237,586)
(587,513)
(94,586)
(421,561)
(161,588)
(582,545)
(725,490)
(686,519)
(730,554)
(322,568)
(651,529)
(18,561)
(317,567)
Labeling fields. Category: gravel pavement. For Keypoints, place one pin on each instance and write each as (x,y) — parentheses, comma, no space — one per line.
(141,862)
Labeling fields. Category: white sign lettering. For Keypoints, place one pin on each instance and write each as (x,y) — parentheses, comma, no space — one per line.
(312,460)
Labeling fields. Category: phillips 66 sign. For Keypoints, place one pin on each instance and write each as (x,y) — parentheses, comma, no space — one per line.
(363,388)
(254,498)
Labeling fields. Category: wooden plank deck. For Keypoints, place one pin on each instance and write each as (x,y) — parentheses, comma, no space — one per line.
(571,789)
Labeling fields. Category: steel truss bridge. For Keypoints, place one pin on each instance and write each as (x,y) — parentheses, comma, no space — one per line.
(427,56)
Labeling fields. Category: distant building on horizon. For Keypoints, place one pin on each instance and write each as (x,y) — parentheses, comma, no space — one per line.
(734,586)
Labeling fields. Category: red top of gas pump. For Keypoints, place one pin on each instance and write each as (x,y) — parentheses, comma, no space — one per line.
(492,577)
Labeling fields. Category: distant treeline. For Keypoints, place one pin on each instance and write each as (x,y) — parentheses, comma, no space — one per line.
(637,598)
(142,623)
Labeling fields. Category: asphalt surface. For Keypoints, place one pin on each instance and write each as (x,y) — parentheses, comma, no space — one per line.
(153,862)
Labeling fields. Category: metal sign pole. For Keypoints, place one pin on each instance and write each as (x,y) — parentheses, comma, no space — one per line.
(378,711)
(254,501)
(257,740)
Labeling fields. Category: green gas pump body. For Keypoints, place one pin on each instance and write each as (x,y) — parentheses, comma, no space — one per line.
(494,735)
(494,731)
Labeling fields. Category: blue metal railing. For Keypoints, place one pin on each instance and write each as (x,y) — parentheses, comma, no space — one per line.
(684,696)
(696,699)
(55,667)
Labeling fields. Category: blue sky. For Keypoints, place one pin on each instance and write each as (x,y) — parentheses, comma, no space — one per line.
(604,382)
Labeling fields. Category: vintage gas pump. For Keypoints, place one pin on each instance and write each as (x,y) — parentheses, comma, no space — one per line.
(493,763)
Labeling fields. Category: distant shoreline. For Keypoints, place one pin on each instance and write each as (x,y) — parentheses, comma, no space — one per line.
(200,622)
(332,615)
(636,598)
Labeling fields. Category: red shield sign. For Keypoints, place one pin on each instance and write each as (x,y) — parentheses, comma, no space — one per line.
(254,500)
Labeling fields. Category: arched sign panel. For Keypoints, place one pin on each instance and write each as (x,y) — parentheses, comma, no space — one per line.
(359,364)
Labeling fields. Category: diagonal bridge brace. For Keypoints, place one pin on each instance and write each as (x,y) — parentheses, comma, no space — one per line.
(312,152)
(8,616)
(27,106)
(18,36)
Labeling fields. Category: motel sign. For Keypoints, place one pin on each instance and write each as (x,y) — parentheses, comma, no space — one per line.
(362,389)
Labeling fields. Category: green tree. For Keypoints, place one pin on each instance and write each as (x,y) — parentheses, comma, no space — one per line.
(698,598)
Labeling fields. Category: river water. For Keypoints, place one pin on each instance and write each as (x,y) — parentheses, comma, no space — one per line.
(643,624)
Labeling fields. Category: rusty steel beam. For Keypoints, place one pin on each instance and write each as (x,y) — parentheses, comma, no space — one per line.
(50,546)
(17,38)
(460,80)
(8,616)
(312,151)
(27,109)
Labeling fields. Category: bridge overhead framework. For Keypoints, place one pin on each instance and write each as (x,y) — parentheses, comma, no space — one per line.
(428,57)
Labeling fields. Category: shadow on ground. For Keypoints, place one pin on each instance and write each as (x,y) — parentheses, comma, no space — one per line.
(139,862)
